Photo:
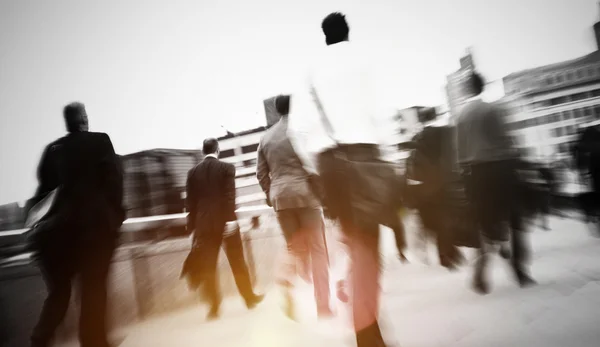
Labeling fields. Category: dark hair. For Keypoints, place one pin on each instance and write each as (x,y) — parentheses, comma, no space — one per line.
(427,114)
(282,104)
(335,28)
(75,116)
(476,83)
(210,146)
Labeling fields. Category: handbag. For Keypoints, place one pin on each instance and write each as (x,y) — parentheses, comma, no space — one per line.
(372,192)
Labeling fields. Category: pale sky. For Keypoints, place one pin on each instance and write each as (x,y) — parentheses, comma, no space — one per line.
(168,73)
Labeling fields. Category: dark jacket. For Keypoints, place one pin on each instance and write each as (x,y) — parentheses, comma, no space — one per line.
(210,197)
(88,173)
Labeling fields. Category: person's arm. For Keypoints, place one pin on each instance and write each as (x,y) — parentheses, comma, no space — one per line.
(190,201)
(230,191)
(47,178)
(263,174)
(113,174)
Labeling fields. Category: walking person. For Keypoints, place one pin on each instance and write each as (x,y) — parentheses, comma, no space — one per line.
(489,161)
(289,191)
(211,203)
(334,128)
(431,177)
(78,236)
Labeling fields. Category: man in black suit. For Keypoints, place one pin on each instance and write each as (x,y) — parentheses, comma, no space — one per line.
(211,204)
(82,226)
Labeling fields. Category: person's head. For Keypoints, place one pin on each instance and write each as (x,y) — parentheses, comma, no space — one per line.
(210,146)
(282,105)
(476,83)
(426,115)
(335,28)
(76,118)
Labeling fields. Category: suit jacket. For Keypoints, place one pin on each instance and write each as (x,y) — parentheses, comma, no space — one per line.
(280,172)
(210,197)
(88,173)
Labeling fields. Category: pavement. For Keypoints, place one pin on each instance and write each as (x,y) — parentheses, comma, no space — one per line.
(422,305)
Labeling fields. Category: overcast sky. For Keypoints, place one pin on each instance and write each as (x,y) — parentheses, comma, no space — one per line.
(168,73)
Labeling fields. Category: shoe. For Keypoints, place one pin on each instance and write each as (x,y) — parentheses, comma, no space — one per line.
(213,314)
(325,313)
(505,252)
(289,306)
(252,303)
(525,281)
(481,287)
(403,259)
(341,292)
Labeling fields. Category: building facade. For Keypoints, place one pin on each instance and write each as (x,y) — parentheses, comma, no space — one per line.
(457,91)
(548,104)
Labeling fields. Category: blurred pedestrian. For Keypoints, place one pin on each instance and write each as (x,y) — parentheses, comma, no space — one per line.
(336,130)
(290,191)
(78,236)
(210,199)
(489,160)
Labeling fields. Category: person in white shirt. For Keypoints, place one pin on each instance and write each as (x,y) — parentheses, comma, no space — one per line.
(336,114)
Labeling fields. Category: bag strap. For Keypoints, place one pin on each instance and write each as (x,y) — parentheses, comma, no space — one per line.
(322,114)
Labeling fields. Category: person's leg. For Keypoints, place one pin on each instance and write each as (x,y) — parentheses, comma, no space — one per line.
(58,277)
(519,254)
(290,226)
(212,247)
(400,238)
(234,250)
(93,283)
(364,283)
(312,225)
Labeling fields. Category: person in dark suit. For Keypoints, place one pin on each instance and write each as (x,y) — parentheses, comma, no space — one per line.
(289,191)
(211,204)
(489,160)
(83,225)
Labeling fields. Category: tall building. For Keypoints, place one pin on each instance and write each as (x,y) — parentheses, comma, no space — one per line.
(456,88)
(548,104)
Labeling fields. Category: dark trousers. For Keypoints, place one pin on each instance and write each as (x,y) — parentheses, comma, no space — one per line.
(493,190)
(91,265)
(361,238)
(303,229)
(434,217)
(234,250)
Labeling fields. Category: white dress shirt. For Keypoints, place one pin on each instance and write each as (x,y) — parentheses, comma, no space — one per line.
(344,83)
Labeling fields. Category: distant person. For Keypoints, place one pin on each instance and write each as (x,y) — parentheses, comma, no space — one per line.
(289,191)
(489,161)
(334,118)
(81,228)
(211,204)
(431,179)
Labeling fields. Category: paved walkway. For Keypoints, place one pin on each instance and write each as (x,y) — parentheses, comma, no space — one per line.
(425,306)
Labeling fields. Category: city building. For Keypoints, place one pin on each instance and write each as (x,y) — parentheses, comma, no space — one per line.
(457,91)
(548,104)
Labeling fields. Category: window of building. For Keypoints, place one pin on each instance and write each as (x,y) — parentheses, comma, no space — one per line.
(589,112)
(578,113)
(597,111)
(250,162)
(555,118)
(250,148)
(595,93)
(571,130)
(227,153)
(579,96)
(570,76)
(559,78)
(580,73)
(549,80)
